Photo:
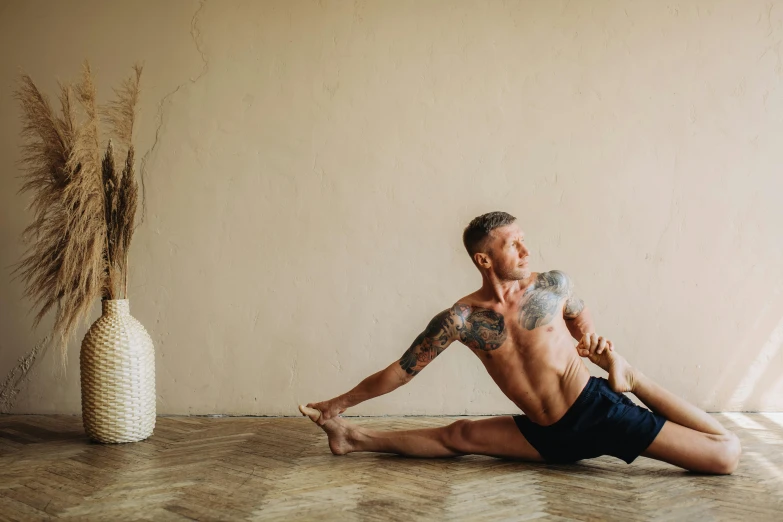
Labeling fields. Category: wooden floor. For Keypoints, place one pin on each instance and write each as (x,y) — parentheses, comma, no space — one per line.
(280,468)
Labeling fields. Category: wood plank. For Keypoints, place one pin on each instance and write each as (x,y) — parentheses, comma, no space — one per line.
(202,468)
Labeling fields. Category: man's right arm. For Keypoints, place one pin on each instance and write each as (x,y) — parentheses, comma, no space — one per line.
(442,330)
(379,383)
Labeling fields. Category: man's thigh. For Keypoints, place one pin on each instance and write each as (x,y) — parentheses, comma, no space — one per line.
(694,450)
(497,437)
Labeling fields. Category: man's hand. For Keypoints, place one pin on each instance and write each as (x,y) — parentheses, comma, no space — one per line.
(328,409)
(592,346)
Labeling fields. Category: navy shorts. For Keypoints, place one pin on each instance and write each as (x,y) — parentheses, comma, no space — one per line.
(600,422)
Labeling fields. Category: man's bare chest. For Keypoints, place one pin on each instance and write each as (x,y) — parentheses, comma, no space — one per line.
(539,305)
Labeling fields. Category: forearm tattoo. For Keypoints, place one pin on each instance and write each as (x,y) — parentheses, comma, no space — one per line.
(542,300)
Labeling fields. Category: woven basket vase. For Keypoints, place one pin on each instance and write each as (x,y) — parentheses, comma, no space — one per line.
(117,364)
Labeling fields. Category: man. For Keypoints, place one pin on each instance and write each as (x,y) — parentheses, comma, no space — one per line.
(522,326)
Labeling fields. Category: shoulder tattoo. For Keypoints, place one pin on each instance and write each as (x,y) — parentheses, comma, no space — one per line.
(541,301)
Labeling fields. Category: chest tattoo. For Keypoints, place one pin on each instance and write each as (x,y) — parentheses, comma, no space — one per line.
(483,330)
(542,300)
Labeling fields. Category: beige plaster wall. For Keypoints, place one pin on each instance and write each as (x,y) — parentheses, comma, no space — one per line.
(310,167)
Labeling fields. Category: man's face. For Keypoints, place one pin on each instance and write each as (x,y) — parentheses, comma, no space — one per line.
(508,253)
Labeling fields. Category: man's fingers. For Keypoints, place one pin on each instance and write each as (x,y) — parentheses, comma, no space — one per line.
(583,348)
(607,346)
(593,344)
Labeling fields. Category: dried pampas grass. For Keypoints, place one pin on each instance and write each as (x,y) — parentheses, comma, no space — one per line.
(83,207)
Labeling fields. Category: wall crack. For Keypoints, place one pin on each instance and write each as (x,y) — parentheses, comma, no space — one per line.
(195,34)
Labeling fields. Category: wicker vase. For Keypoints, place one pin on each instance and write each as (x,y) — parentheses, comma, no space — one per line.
(117,364)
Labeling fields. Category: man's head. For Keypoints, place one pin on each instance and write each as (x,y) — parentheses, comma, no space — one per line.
(495,243)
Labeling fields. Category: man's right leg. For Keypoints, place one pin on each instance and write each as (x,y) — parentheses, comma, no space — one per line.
(495,437)
(691,438)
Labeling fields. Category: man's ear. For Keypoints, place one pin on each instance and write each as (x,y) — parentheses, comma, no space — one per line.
(482,260)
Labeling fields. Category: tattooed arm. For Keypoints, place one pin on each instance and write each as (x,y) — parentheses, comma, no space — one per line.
(577,316)
(580,324)
(439,334)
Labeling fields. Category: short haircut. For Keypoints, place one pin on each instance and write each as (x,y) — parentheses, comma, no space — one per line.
(476,233)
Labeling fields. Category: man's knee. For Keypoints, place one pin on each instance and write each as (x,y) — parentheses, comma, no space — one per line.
(727,454)
(458,436)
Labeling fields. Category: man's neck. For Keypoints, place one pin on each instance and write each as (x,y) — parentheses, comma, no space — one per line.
(502,291)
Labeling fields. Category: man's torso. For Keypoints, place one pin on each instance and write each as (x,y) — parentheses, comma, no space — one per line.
(526,346)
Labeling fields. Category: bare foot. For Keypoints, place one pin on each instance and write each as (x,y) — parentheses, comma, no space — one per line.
(339,431)
(622,376)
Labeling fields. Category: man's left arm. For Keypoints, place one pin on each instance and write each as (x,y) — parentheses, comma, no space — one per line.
(580,323)
(577,317)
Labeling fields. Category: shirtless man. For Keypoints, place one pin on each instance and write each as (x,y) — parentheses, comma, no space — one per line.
(522,326)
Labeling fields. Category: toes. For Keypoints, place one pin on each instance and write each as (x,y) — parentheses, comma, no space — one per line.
(312,413)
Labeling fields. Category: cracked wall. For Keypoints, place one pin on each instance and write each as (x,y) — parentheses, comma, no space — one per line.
(309,167)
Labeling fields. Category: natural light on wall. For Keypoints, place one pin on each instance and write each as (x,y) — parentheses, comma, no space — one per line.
(758,367)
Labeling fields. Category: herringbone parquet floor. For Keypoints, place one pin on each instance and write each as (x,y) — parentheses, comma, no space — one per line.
(281,469)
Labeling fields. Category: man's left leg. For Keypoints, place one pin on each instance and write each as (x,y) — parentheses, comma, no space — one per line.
(691,438)
(495,437)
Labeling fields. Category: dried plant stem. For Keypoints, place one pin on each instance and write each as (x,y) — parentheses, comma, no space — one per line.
(83,207)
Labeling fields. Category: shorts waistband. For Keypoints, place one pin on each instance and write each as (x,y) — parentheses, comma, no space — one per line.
(587,393)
